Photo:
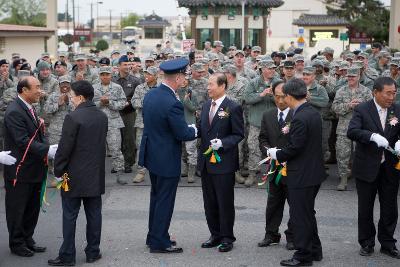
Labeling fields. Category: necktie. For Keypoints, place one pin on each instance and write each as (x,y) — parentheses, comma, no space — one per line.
(32,113)
(212,111)
(382,117)
(281,121)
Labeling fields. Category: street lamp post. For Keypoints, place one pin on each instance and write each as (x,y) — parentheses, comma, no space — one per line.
(243,21)
(97,20)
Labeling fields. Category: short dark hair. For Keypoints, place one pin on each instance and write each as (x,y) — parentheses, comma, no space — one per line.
(221,79)
(295,88)
(83,88)
(380,83)
(377,45)
(24,82)
(275,84)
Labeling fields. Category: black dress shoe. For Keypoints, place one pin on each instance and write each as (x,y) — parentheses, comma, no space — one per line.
(173,243)
(128,170)
(317,257)
(393,252)
(366,251)
(294,262)
(171,249)
(91,260)
(269,241)
(22,252)
(113,171)
(225,247)
(37,249)
(290,246)
(59,262)
(210,243)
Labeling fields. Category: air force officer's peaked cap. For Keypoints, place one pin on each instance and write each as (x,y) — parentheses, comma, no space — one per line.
(174,66)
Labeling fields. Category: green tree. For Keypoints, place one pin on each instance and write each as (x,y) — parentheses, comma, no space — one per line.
(102,45)
(130,20)
(23,12)
(369,16)
(61,17)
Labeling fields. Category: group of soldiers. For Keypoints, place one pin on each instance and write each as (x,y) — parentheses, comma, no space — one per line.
(335,86)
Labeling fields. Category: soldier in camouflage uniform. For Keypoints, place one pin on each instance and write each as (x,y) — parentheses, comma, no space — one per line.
(215,63)
(199,84)
(371,73)
(5,83)
(346,99)
(110,98)
(243,71)
(235,90)
(141,90)
(190,106)
(383,62)
(82,71)
(217,49)
(364,80)
(252,60)
(259,98)
(394,73)
(376,49)
(60,69)
(56,107)
(318,97)
(288,70)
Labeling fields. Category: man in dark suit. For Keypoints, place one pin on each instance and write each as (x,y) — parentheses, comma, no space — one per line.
(374,126)
(160,152)
(221,126)
(305,173)
(273,134)
(81,155)
(24,137)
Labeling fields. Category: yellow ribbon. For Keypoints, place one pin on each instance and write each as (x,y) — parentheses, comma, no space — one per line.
(64,183)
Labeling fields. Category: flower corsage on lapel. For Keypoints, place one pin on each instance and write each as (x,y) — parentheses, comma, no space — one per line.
(223,113)
(392,120)
(286,128)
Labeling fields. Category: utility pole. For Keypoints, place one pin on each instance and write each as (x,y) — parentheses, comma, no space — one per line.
(66,14)
(110,27)
(91,22)
(120,25)
(73,18)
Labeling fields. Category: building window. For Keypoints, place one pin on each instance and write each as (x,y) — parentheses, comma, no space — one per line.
(254,37)
(2,43)
(153,33)
(231,37)
(204,35)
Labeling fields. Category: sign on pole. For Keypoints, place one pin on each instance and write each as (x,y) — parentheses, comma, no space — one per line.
(186,44)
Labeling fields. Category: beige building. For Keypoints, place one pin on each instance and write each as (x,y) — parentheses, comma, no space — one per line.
(29,41)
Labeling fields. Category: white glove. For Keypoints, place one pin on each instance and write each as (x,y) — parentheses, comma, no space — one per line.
(52,151)
(397,147)
(195,129)
(216,143)
(6,159)
(379,140)
(272,152)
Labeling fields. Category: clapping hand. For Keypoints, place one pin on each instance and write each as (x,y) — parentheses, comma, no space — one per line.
(6,159)
(267,91)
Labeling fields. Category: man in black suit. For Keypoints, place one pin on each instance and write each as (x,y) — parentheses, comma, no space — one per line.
(81,155)
(273,134)
(24,137)
(305,173)
(374,126)
(221,126)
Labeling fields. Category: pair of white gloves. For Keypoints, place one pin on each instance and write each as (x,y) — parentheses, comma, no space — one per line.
(7,159)
(383,142)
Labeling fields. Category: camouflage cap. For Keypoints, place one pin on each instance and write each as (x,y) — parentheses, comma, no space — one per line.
(23,73)
(115,52)
(309,69)
(105,69)
(328,50)
(363,55)
(395,61)
(298,57)
(230,68)
(353,71)
(266,64)
(178,54)
(80,57)
(344,65)
(129,50)
(358,64)
(45,54)
(13,55)
(64,79)
(239,52)
(317,62)
(218,43)
(232,47)
(256,48)
(62,54)
(152,70)
(349,56)
(396,54)
(384,54)
(150,58)
(204,61)
(42,65)
(198,67)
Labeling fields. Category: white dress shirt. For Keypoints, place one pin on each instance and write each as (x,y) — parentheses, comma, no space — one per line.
(285,113)
(218,103)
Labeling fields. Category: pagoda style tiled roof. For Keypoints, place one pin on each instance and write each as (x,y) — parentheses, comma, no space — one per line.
(319,20)
(153,20)
(260,3)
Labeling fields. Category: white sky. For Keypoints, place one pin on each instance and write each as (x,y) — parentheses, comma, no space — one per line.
(161,7)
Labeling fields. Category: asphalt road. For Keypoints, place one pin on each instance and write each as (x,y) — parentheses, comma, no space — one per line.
(125,213)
